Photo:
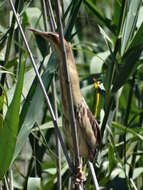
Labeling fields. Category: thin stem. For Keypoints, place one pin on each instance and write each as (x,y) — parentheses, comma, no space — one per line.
(44,11)
(62,6)
(58,158)
(29,170)
(96,185)
(122,15)
(129,101)
(68,87)
(43,90)
(6,184)
(51,15)
(69,183)
(11,180)
(126,118)
(58,148)
(0,185)
(141,108)
(133,184)
(133,162)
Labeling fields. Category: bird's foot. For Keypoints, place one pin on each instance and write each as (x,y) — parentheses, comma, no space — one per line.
(80,176)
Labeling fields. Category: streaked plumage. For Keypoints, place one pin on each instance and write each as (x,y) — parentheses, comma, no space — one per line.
(87,126)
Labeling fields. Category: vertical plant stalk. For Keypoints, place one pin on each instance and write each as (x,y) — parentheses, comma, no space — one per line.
(62,6)
(133,162)
(11,180)
(0,185)
(96,185)
(44,11)
(5,184)
(58,158)
(71,167)
(133,184)
(141,107)
(126,119)
(139,145)
(51,15)
(58,148)
(68,87)
(30,167)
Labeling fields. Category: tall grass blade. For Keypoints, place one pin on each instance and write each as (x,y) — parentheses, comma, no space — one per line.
(8,133)
(129,24)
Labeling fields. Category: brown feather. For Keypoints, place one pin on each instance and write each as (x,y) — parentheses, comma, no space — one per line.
(87,126)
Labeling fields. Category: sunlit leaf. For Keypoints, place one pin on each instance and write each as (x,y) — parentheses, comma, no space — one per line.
(34,183)
(129,24)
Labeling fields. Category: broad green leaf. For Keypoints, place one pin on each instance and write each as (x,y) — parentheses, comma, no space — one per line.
(111,157)
(1,98)
(8,133)
(29,96)
(34,183)
(97,62)
(130,60)
(140,17)
(138,39)
(129,25)
(1,121)
(129,65)
(116,13)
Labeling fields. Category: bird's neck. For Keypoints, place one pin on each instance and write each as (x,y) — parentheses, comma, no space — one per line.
(74,79)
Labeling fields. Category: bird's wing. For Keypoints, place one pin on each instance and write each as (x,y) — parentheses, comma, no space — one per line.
(89,128)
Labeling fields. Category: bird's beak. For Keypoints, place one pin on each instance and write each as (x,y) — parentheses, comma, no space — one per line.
(38,32)
(51,37)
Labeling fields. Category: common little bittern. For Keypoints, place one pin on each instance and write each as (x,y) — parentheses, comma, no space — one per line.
(87,126)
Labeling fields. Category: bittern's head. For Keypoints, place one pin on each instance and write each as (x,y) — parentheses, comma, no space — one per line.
(51,37)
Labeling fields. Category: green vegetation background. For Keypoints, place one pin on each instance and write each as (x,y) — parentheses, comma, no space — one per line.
(107,41)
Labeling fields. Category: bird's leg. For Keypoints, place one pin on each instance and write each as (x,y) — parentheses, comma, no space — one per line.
(80,175)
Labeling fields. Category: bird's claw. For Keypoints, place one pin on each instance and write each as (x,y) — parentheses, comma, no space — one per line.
(79,177)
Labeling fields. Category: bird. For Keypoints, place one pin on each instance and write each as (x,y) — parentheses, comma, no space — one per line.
(87,126)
